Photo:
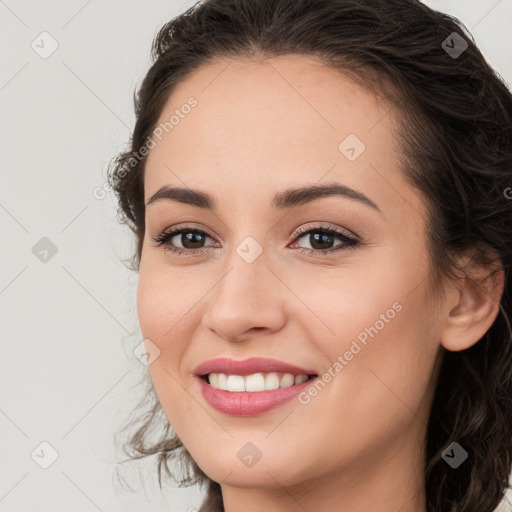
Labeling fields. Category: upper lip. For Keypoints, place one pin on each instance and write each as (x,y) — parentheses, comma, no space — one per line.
(248,366)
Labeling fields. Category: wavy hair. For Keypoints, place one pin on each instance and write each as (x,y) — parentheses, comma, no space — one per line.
(455,136)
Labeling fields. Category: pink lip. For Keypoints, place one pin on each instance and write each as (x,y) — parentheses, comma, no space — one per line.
(248,366)
(245,403)
(248,403)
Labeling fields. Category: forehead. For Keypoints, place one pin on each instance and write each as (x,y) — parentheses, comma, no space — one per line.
(291,98)
(261,126)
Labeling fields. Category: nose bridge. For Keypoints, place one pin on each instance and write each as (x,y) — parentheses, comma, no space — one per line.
(246,296)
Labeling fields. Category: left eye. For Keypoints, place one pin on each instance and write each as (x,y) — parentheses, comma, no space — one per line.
(320,240)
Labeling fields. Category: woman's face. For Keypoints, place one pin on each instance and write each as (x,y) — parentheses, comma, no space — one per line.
(263,280)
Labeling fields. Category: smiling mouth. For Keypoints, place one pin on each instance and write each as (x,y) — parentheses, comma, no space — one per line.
(256,382)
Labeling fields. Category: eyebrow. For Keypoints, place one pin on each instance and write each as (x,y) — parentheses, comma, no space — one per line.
(289,198)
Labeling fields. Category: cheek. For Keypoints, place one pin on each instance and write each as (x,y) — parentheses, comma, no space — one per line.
(380,342)
(347,305)
(389,349)
(164,299)
(380,389)
(160,311)
(151,301)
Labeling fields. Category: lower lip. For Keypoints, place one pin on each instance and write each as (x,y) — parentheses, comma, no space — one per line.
(247,403)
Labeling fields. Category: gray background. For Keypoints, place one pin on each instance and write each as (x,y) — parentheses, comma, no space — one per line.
(68,324)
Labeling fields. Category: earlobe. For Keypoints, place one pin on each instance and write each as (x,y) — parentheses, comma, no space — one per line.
(475,310)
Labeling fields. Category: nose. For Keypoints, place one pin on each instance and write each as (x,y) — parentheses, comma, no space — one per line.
(248,301)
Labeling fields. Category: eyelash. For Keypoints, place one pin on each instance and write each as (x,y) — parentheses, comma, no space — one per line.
(163,240)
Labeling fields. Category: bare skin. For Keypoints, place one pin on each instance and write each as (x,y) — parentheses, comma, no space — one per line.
(261,127)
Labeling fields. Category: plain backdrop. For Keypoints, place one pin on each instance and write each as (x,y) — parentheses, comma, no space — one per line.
(67,302)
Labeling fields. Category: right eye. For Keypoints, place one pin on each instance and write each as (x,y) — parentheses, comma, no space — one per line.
(190,239)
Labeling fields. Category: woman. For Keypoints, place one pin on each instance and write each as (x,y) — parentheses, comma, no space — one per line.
(320,195)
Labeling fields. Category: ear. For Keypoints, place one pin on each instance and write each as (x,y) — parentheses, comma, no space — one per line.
(472,305)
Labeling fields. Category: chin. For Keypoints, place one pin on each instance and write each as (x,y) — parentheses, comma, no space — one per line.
(269,473)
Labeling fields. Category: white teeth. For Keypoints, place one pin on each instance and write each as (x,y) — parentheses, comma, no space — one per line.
(235,383)
(254,382)
(299,379)
(271,381)
(287,380)
(214,379)
(222,381)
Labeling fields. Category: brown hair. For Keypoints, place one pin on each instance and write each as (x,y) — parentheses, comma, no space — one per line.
(456,140)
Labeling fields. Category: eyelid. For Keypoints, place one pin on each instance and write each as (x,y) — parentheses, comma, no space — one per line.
(188,226)
(350,240)
(324,226)
(296,232)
